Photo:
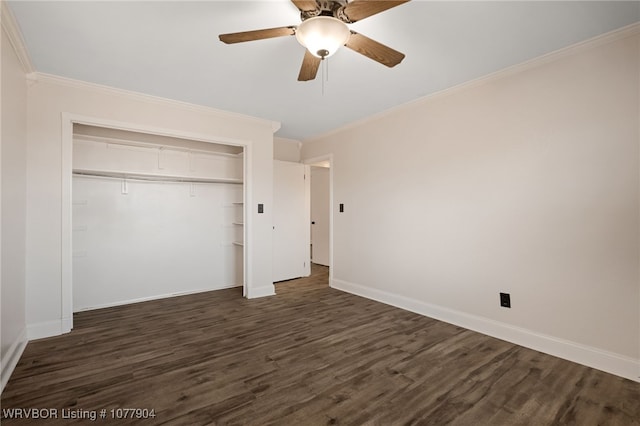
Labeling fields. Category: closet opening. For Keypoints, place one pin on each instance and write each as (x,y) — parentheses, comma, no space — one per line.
(153,216)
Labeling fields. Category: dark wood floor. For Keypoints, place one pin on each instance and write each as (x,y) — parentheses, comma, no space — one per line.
(309,356)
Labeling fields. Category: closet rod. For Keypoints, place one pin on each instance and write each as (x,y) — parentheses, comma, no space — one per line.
(152,178)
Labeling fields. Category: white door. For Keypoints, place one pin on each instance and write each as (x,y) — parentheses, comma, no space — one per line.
(320,215)
(290,221)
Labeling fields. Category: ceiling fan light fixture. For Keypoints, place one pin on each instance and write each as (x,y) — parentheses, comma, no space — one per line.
(322,35)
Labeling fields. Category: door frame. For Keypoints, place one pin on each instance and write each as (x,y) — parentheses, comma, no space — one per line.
(68,120)
(309,162)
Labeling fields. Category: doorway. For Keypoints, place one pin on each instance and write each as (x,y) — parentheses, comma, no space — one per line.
(320,215)
(321,207)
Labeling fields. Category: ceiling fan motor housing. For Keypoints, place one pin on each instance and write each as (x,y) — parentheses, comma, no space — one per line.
(333,8)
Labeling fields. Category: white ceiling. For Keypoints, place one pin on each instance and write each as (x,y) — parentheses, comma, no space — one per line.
(171,49)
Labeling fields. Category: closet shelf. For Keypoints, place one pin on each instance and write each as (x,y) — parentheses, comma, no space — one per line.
(152,177)
(152,145)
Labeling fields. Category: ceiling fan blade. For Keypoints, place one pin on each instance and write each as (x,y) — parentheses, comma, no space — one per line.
(305,5)
(256,35)
(310,65)
(374,50)
(357,10)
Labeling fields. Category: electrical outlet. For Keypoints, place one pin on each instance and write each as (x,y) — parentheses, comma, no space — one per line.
(505,300)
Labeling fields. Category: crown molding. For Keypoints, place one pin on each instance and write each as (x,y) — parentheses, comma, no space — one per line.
(600,40)
(14,35)
(38,77)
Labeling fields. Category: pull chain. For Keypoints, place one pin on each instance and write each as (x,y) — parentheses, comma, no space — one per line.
(322,76)
(325,72)
(327,67)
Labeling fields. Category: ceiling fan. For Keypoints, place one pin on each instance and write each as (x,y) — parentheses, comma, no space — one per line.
(324,29)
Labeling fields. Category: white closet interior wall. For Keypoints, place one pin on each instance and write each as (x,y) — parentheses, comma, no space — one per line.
(153,217)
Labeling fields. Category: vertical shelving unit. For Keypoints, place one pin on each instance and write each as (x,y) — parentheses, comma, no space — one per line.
(238,242)
(239,223)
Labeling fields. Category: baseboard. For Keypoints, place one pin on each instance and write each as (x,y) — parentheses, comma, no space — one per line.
(45,329)
(154,297)
(264,291)
(608,362)
(11,358)
(66,325)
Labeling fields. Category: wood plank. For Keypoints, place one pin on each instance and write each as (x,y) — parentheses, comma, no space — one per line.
(310,355)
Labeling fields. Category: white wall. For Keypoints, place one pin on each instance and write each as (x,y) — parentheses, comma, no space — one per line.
(286,150)
(50,101)
(13,193)
(526,182)
(320,215)
(157,240)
